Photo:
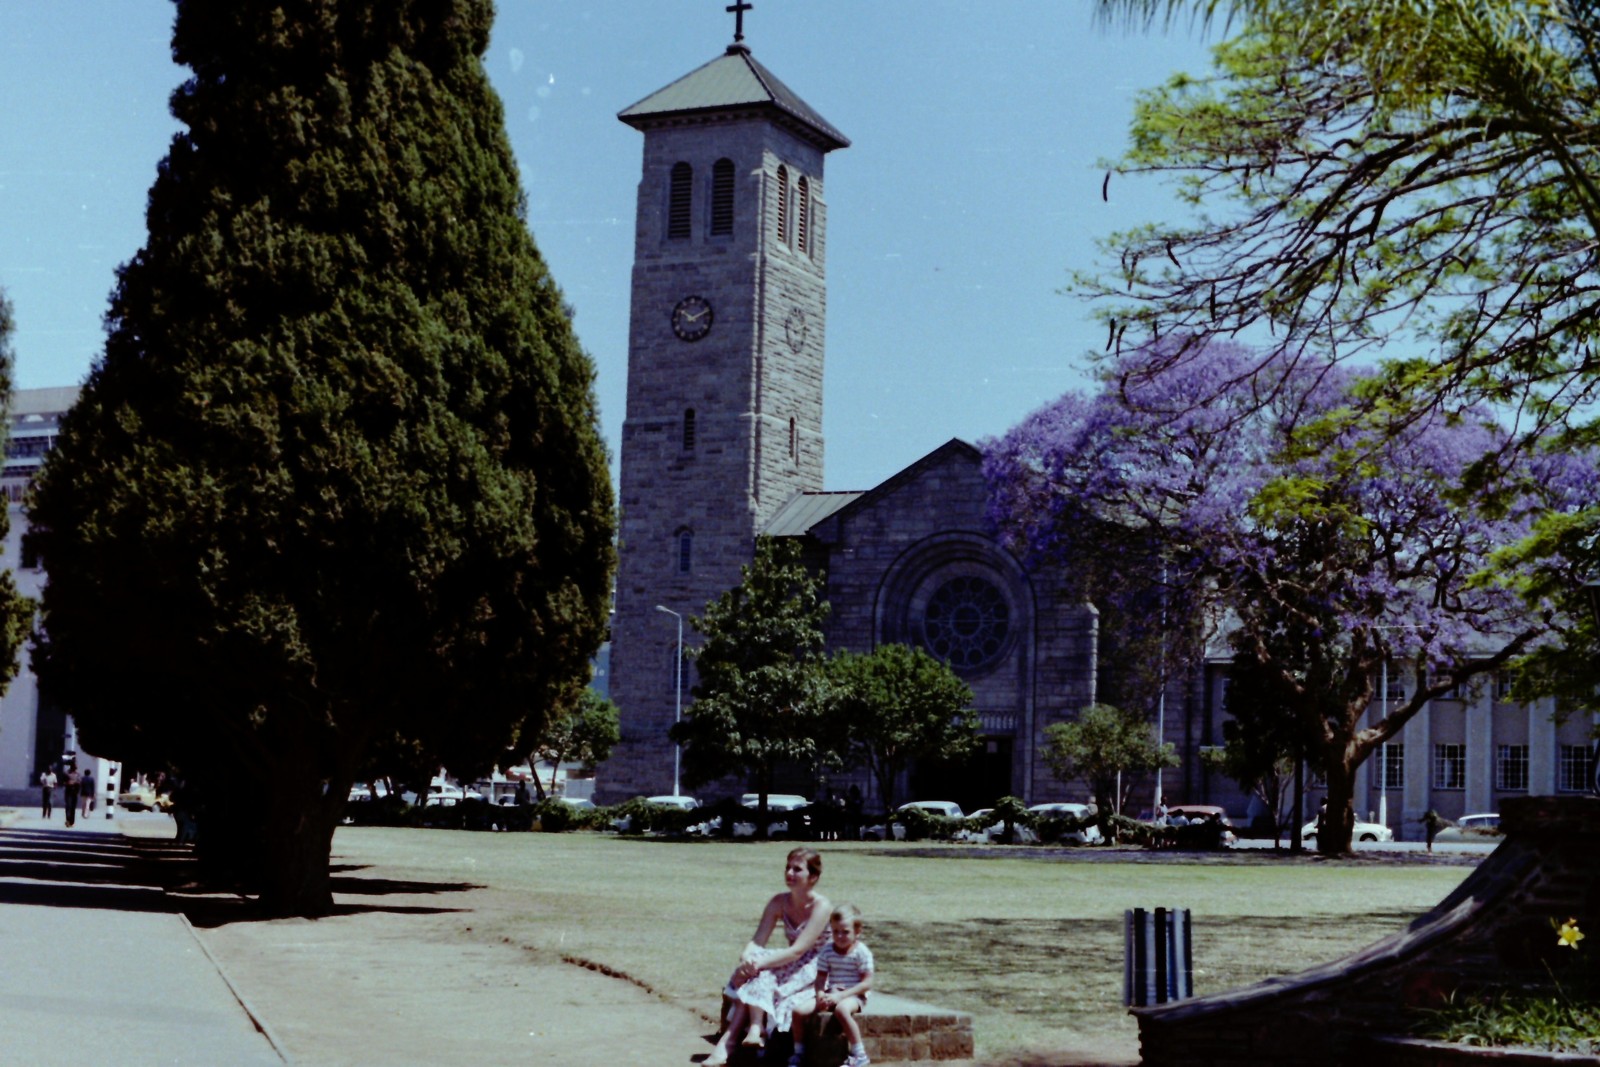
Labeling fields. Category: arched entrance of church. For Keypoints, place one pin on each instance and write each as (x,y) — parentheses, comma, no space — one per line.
(974,782)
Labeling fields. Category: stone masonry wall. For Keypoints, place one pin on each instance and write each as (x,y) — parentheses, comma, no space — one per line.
(745,380)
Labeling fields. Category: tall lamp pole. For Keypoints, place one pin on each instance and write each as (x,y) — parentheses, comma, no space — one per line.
(677,697)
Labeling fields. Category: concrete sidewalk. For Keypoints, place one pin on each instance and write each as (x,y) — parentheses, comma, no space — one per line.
(100,967)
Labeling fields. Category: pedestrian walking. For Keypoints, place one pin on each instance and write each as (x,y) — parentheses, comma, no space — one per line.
(88,793)
(74,785)
(47,792)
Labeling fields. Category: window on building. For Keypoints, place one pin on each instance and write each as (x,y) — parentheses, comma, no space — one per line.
(1450,766)
(794,442)
(685,551)
(680,201)
(722,197)
(1575,769)
(1502,685)
(783,205)
(1394,766)
(1511,768)
(803,215)
(688,429)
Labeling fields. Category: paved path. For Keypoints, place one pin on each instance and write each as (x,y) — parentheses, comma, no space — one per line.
(99,968)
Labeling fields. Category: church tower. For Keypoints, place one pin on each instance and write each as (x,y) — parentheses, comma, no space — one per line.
(725,346)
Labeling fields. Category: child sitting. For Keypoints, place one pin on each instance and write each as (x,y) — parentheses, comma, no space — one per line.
(844,975)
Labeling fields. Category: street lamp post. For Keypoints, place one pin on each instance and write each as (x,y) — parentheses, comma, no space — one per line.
(677,698)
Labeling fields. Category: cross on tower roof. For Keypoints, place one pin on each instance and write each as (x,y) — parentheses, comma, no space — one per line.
(738,7)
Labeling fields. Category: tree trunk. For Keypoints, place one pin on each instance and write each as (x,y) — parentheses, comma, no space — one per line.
(297,840)
(1338,822)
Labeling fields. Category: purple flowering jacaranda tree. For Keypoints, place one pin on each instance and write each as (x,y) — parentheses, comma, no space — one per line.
(1323,552)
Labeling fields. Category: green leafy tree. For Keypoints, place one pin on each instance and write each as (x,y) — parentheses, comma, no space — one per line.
(16,610)
(1265,736)
(585,729)
(1372,172)
(762,696)
(1102,744)
(896,704)
(337,476)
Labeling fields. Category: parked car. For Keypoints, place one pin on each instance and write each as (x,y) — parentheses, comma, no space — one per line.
(666,800)
(1203,813)
(674,800)
(775,802)
(1363,831)
(361,792)
(943,808)
(577,803)
(1480,828)
(1089,835)
(994,831)
(1199,812)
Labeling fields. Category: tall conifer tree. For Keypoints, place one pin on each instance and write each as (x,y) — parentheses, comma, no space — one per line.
(337,475)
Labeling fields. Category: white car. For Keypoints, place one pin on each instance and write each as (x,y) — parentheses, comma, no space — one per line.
(1363,831)
(945,809)
(577,803)
(1089,835)
(674,800)
(775,802)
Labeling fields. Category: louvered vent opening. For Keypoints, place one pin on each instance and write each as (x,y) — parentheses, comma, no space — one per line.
(678,207)
(722,198)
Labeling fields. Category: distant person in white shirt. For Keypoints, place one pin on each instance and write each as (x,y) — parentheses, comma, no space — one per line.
(844,975)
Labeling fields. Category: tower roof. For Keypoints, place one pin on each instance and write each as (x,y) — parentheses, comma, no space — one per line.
(734,81)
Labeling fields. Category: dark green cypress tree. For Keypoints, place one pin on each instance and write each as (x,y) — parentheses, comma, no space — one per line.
(337,476)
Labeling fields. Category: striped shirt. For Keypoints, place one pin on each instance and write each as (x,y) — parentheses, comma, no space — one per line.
(847,970)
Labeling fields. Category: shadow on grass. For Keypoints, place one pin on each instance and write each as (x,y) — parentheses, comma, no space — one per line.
(105,870)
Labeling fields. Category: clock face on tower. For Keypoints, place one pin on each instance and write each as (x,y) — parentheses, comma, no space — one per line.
(691,318)
(794,328)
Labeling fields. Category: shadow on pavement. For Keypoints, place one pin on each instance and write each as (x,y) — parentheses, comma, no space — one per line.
(104,869)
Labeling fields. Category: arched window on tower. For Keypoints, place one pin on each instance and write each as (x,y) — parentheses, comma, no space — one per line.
(685,559)
(680,200)
(803,216)
(783,205)
(722,198)
(688,429)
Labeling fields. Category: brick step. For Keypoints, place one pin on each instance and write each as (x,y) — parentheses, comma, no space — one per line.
(894,1029)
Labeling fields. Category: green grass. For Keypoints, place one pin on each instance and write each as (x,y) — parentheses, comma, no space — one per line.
(1550,1022)
(1031,947)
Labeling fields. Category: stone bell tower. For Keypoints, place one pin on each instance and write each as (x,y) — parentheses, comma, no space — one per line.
(725,346)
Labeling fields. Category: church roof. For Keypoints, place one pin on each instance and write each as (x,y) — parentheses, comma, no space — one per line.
(801,514)
(805,510)
(734,80)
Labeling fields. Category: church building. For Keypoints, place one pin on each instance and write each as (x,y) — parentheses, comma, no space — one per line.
(722,443)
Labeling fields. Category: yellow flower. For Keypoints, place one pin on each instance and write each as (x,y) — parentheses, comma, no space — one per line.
(1569,934)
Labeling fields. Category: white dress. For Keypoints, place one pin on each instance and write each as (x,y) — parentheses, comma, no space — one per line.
(779,991)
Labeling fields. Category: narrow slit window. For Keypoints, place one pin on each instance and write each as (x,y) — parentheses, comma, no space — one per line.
(722,198)
(793,438)
(783,205)
(680,201)
(803,216)
(685,552)
(688,429)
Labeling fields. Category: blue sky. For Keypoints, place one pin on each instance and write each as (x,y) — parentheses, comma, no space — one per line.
(970,190)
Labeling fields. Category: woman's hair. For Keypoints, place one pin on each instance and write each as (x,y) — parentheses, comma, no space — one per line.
(847,913)
(813,860)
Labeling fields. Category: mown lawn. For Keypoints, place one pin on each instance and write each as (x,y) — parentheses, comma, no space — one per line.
(1030,943)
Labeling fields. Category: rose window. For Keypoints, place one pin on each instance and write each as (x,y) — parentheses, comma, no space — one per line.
(966,622)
